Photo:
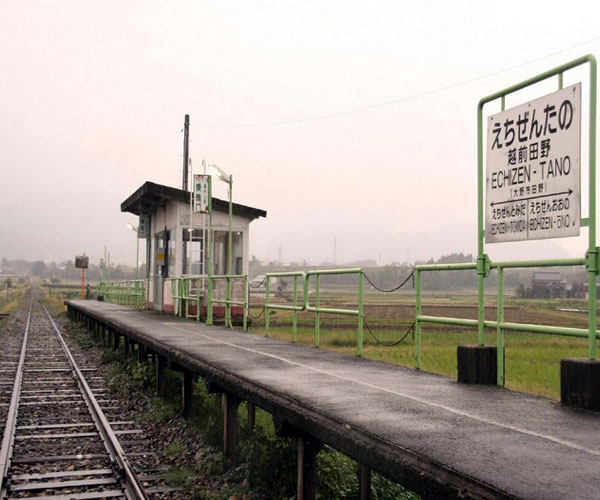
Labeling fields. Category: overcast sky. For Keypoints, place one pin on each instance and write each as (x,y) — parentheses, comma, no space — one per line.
(93,95)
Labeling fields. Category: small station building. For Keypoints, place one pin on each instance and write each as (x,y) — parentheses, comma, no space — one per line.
(175,242)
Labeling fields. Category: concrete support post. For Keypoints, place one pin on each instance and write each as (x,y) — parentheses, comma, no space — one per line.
(116,341)
(161,362)
(230,427)
(477,364)
(364,482)
(186,392)
(580,383)
(251,415)
(308,447)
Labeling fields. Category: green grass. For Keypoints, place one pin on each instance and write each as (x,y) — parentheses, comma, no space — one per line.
(11,302)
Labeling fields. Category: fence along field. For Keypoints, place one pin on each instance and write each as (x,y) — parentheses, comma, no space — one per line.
(532,361)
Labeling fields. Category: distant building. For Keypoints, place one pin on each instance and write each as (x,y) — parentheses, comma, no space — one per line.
(548,285)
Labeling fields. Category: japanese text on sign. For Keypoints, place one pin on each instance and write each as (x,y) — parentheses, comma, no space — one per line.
(201,193)
(533,171)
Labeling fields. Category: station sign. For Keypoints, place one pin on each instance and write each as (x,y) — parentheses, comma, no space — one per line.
(82,261)
(201,193)
(533,169)
(143,226)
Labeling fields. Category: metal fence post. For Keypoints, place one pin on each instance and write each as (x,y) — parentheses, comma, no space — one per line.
(228,322)
(499,332)
(417,320)
(267,311)
(295,313)
(360,311)
(247,302)
(209,304)
(317,314)
(592,213)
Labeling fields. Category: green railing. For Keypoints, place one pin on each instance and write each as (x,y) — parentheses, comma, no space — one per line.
(185,291)
(176,295)
(304,305)
(499,325)
(419,318)
(318,310)
(126,292)
(296,306)
(228,301)
(191,292)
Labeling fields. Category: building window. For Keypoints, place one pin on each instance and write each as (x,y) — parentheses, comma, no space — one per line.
(193,248)
(220,252)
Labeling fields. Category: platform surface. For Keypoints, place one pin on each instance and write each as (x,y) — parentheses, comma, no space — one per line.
(510,444)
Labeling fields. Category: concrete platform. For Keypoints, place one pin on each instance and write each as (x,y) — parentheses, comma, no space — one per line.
(435,436)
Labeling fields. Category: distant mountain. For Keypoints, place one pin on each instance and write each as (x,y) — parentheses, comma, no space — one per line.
(453,238)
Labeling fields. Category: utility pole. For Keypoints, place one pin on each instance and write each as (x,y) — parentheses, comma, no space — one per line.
(334,250)
(186,151)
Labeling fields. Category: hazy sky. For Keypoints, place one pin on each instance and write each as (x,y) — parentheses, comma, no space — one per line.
(93,95)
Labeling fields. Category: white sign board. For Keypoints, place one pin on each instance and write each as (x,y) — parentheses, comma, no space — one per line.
(201,193)
(533,169)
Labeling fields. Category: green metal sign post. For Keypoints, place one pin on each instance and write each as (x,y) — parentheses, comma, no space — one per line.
(576,388)
(483,263)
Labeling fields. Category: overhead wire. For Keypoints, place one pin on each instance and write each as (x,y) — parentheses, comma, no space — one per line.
(400,99)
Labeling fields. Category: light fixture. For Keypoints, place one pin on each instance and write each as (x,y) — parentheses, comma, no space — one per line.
(219,172)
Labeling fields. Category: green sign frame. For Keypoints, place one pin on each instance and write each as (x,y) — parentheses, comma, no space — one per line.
(483,264)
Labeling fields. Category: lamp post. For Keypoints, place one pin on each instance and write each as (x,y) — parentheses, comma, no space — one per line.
(216,170)
(137,249)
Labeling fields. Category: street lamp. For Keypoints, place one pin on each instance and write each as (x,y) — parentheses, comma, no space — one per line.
(222,176)
(137,249)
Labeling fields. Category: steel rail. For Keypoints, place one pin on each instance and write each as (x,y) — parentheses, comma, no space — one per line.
(11,419)
(133,487)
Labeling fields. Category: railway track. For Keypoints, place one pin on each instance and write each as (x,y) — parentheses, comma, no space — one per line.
(60,428)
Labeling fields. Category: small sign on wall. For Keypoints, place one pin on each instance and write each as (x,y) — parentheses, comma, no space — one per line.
(144,226)
(160,256)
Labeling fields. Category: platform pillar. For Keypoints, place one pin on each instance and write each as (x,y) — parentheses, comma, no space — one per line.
(230,430)
(251,415)
(161,362)
(477,364)
(116,341)
(364,482)
(186,392)
(126,346)
(308,447)
(580,383)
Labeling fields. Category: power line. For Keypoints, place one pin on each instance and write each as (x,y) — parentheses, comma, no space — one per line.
(399,100)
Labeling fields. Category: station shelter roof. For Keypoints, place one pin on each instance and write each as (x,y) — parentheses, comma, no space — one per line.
(149,196)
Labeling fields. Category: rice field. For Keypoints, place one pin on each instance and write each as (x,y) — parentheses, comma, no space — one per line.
(532,360)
